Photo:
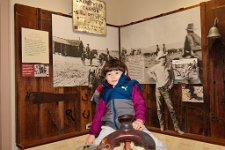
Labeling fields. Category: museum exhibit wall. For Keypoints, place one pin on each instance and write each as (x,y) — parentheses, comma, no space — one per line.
(113,17)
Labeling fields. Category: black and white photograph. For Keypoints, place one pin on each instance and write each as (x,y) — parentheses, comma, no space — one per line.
(186,71)
(191,93)
(178,35)
(41,70)
(78,56)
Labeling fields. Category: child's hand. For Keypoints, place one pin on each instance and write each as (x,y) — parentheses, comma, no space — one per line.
(138,124)
(90,139)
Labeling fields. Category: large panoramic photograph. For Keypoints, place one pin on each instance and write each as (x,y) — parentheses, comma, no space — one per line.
(177,36)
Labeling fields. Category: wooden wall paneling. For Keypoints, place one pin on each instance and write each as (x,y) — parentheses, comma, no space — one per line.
(220,80)
(217,77)
(72,119)
(205,70)
(215,59)
(149,95)
(23,112)
(29,110)
(218,127)
(86,108)
(23,87)
(195,119)
(41,113)
(145,90)
(72,122)
(51,125)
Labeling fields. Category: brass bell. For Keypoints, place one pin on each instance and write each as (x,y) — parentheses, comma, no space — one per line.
(214,31)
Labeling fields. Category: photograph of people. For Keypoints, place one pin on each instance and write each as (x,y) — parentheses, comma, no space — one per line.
(162,73)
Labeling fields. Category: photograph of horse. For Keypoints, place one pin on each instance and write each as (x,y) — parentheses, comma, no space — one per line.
(76,54)
(89,55)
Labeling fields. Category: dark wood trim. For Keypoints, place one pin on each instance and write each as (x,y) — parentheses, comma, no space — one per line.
(196,137)
(51,140)
(161,15)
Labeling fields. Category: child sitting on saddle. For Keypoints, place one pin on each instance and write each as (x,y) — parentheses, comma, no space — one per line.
(118,95)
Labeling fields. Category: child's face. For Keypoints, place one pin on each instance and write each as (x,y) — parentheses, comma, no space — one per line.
(113,77)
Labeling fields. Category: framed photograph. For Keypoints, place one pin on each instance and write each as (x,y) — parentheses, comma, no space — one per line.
(186,71)
(89,16)
(35,70)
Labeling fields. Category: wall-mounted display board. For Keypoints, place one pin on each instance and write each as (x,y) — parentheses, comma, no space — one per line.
(45,113)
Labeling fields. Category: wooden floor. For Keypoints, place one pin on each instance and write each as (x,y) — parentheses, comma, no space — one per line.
(171,142)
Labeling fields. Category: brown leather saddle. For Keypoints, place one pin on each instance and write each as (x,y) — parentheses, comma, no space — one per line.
(127,134)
